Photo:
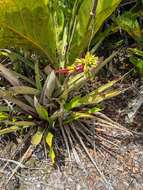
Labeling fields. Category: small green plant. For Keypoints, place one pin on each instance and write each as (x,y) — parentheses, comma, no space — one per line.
(136,57)
(128,22)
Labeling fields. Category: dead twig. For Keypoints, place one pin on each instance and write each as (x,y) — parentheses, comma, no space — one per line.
(12,161)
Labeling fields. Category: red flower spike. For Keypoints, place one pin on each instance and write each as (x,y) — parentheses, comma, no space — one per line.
(79,68)
(62,71)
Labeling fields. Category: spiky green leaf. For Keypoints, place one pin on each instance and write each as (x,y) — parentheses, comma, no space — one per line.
(94,110)
(17,127)
(37,76)
(75,102)
(21,123)
(16,90)
(9,96)
(97,98)
(77,115)
(41,110)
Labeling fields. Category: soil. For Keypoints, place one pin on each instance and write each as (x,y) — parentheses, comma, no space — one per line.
(123,169)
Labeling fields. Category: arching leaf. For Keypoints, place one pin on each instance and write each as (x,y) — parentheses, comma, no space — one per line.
(87,25)
(28,24)
(41,110)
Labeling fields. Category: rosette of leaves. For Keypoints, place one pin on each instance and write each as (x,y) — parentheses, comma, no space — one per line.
(59,31)
(43,103)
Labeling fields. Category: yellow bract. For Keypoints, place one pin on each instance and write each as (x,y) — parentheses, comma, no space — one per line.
(89,59)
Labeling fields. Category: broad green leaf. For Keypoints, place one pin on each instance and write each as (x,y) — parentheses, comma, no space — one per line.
(104,10)
(28,24)
(78,27)
(41,110)
(37,137)
(57,12)
(16,90)
(86,25)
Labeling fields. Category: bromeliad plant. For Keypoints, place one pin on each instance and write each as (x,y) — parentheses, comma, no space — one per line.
(60,32)
(46,100)
(43,103)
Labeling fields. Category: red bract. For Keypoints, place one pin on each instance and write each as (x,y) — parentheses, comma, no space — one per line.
(79,68)
(62,71)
